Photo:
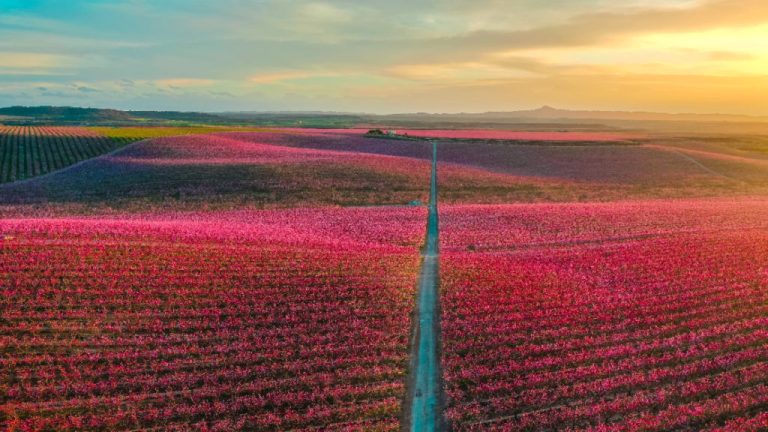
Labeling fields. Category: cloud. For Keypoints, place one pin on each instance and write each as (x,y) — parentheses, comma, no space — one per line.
(298,52)
(35,64)
(730,56)
(278,76)
(464,71)
(31,60)
(319,12)
(29,22)
(179,83)
(86,89)
(596,28)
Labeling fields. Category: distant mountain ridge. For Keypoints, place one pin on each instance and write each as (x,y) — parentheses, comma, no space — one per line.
(548,112)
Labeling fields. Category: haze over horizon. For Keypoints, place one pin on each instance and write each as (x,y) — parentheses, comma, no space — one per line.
(692,56)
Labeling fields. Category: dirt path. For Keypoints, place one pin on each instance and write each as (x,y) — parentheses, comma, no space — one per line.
(696,162)
(425,386)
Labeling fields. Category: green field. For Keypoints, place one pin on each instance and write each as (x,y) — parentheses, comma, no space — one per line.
(27,151)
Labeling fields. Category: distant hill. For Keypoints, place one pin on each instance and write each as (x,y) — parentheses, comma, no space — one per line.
(23,115)
(545,118)
(549,118)
(548,112)
(75,115)
(65,114)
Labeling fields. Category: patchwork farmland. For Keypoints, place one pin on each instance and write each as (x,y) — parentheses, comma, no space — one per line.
(30,151)
(267,279)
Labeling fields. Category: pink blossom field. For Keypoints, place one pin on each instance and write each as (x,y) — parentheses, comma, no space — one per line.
(632,316)
(267,280)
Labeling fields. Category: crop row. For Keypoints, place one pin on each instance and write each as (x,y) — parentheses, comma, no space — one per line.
(176,330)
(28,151)
(660,332)
(489,228)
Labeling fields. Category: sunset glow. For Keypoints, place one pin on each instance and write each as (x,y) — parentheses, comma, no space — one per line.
(387,56)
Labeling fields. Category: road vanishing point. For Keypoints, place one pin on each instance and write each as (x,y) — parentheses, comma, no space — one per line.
(425,412)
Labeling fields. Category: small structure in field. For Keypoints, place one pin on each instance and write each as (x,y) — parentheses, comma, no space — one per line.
(389,133)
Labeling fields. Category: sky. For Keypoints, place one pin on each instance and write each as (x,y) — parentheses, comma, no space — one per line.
(386,56)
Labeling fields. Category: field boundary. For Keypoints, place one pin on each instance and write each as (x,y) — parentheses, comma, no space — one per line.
(694,161)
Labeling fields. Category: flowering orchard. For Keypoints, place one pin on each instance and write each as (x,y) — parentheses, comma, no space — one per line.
(171,304)
(254,320)
(525,226)
(641,316)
